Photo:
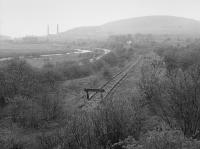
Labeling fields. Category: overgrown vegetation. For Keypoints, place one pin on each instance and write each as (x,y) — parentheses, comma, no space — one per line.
(164,112)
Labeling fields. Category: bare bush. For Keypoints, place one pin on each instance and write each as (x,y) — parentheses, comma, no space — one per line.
(115,121)
(167,139)
(174,96)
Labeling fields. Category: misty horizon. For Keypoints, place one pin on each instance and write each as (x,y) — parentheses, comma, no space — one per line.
(99,74)
(53,29)
(26,17)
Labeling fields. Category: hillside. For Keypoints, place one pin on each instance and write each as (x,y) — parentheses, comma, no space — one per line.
(144,25)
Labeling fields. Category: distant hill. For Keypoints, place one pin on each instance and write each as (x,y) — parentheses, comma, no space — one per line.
(144,25)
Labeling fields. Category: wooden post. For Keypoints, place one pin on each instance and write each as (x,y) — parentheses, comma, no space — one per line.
(87,95)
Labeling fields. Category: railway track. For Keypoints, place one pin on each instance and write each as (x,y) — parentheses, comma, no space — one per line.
(109,86)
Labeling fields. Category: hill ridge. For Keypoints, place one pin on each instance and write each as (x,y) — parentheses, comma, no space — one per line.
(156,24)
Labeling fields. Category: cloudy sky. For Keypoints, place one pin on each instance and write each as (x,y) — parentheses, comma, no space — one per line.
(30,17)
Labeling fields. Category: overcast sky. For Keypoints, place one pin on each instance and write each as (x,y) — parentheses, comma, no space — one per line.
(30,17)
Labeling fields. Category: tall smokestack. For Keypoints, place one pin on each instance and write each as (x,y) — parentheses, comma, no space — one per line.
(48,30)
(57,29)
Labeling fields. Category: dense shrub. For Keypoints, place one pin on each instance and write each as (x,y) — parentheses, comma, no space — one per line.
(167,139)
(18,78)
(117,120)
(181,57)
(26,112)
(29,96)
(48,141)
(76,134)
(173,96)
(96,129)
(12,142)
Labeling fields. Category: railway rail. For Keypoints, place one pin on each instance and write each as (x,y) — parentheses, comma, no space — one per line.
(109,86)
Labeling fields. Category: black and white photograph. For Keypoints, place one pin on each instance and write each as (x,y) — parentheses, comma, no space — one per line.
(99,74)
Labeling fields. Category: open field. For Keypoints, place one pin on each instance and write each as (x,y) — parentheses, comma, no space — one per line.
(16,49)
(40,54)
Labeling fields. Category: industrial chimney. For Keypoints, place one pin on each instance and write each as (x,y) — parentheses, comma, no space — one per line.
(48,30)
(57,29)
